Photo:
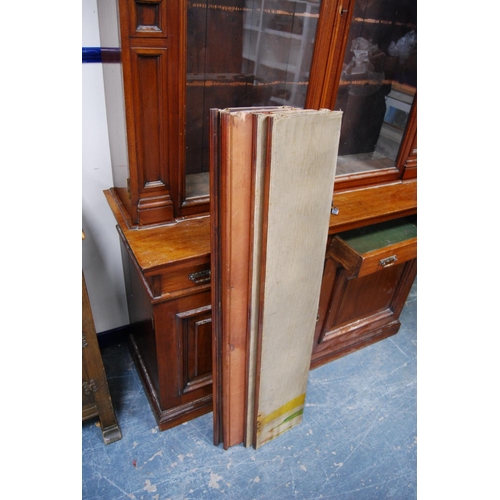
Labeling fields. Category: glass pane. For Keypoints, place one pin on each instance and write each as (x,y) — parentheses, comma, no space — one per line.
(242,53)
(378,84)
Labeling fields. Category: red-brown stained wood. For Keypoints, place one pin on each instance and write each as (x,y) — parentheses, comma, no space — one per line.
(162,258)
(331,39)
(157,162)
(174,251)
(362,311)
(362,264)
(235,204)
(215,267)
(363,294)
(365,206)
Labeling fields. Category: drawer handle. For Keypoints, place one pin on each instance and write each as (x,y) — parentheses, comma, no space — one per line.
(388,261)
(200,277)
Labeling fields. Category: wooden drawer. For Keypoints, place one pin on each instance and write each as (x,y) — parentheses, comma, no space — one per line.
(366,250)
(179,280)
(367,277)
(187,277)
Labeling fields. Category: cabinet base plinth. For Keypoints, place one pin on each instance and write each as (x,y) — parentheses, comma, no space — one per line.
(323,357)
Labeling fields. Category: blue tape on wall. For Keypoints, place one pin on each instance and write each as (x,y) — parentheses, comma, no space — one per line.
(101,55)
(91,55)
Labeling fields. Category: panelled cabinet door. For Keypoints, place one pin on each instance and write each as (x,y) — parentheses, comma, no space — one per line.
(184,347)
(195,331)
(326,294)
(173,353)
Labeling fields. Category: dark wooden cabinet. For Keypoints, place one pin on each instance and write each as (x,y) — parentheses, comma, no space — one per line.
(168,292)
(166,63)
(167,274)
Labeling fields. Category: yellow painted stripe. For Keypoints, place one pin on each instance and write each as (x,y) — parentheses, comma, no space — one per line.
(294,403)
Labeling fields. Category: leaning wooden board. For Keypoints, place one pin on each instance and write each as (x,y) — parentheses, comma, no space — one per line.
(266,163)
(231,200)
(299,176)
(229,266)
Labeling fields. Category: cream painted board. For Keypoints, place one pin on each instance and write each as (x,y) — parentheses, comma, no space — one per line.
(300,173)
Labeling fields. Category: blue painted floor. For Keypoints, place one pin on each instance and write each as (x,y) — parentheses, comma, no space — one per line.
(358,438)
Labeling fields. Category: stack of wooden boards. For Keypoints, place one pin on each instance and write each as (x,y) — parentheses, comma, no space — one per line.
(271,186)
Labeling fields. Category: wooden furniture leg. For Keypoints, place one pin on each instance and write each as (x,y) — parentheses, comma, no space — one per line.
(96,400)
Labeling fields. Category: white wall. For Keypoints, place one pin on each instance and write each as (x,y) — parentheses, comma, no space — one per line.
(101,257)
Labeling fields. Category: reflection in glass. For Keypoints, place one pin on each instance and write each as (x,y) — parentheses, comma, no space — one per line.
(258,53)
(242,53)
(378,84)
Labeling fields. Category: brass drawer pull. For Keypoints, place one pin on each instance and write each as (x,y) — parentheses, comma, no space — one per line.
(388,261)
(200,277)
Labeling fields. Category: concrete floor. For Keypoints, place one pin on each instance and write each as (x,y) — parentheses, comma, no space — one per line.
(358,438)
